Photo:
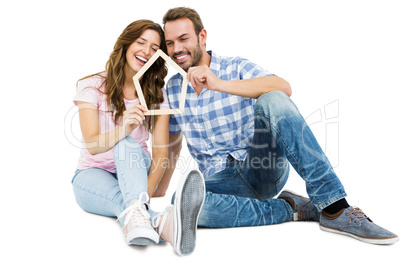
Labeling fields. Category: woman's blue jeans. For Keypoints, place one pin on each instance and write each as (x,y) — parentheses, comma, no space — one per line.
(242,194)
(101,192)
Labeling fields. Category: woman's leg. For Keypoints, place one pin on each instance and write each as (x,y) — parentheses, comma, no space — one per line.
(97,191)
(132,165)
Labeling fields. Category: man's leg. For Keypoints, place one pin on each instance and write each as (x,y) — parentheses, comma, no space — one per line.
(224,211)
(241,195)
(289,136)
(230,202)
(276,112)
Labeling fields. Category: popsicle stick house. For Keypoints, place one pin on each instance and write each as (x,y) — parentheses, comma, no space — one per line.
(136,78)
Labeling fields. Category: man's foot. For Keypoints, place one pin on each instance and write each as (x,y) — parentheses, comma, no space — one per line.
(178,223)
(303,209)
(353,222)
(137,225)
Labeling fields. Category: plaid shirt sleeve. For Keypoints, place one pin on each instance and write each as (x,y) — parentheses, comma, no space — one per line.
(174,128)
(174,88)
(247,69)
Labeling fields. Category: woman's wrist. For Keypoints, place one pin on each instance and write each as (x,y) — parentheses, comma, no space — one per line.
(122,132)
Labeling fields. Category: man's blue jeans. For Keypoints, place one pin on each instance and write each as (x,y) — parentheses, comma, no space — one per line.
(242,194)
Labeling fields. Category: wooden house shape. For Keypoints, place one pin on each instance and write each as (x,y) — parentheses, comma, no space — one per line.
(136,78)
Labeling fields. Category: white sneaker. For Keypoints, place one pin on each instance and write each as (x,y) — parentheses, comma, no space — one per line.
(190,195)
(137,224)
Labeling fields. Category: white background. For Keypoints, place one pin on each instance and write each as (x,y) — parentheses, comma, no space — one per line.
(345,55)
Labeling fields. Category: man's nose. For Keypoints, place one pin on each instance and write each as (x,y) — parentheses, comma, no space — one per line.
(177,48)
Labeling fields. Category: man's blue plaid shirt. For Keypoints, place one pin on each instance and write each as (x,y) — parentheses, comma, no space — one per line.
(216,124)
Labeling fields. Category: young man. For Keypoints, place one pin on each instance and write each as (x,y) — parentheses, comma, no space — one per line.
(243,130)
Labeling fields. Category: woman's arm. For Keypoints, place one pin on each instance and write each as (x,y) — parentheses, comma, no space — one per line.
(99,143)
(160,140)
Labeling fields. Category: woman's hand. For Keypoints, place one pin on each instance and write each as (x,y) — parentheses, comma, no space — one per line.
(133,117)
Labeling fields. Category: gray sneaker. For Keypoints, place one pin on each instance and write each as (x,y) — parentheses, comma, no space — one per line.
(303,209)
(187,203)
(353,222)
(189,200)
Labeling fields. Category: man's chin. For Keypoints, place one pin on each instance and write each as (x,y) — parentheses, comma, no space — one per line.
(184,66)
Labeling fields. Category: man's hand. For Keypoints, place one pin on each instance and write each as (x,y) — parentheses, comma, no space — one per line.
(202,77)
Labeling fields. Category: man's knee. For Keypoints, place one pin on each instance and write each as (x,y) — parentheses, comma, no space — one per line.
(275,103)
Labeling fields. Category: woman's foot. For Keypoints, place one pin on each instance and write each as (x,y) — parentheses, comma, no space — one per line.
(137,225)
(178,223)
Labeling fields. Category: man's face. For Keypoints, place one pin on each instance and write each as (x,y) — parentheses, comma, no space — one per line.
(182,43)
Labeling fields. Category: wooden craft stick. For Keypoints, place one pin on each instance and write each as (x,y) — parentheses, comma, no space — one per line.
(136,78)
(164,111)
(146,66)
(171,62)
(139,93)
(183,94)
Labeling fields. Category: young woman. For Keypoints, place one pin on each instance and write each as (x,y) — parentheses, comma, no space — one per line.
(116,174)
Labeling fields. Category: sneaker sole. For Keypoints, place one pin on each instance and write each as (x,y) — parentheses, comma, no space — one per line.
(189,199)
(142,237)
(377,241)
(141,241)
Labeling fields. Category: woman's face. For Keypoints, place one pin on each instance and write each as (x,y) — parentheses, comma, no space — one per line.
(141,50)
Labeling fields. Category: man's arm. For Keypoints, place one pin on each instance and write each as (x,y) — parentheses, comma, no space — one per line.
(175,144)
(255,87)
(202,77)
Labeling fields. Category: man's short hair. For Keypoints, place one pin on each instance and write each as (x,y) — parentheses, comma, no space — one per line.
(184,12)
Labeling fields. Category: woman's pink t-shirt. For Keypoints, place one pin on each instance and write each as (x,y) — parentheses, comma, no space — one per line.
(87,91)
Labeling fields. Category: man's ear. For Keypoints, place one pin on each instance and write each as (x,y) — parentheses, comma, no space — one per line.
(203,37)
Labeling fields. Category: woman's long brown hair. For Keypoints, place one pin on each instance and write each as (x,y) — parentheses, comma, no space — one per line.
(151,82)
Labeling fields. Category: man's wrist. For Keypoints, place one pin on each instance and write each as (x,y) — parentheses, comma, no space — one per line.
(221,86)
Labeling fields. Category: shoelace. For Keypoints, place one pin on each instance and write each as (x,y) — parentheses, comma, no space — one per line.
(161,216)
(136,214)
(356,212)
(303,213)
